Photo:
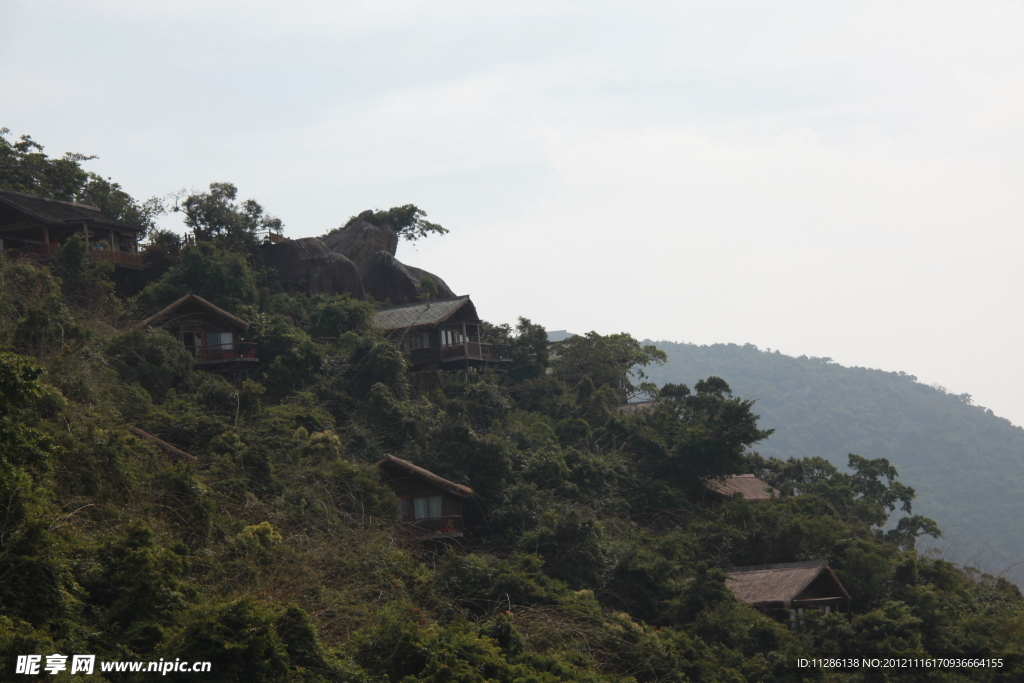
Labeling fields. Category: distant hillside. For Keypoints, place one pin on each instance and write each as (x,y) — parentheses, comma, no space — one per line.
(966,464)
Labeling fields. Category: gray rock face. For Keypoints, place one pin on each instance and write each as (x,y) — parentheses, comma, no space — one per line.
(308,266)
(361,240)
(443,290)
(385,277)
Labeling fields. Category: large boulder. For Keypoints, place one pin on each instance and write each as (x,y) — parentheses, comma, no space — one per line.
(362,239)
(308,266)
(387,278)
(417,274)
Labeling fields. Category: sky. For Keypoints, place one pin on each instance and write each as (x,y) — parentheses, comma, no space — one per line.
(824,179)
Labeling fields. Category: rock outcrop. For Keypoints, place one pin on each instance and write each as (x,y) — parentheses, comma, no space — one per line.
(307,265)
(443,290)
(363,239)
(359,260)
(387,278)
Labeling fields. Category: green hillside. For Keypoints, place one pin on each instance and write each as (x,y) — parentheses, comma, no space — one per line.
(965,463)
(161,503)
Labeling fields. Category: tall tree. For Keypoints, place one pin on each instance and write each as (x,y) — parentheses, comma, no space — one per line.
(614,360)
(217,216)
(706,433)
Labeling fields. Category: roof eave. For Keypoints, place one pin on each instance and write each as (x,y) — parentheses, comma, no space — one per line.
(426,475)
(240,324)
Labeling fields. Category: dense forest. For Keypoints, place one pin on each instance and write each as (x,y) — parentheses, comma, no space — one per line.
(275,551)
(965,463)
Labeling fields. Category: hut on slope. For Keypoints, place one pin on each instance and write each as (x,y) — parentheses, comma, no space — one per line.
(208,331)
(34,227)
(441,335)
(788,590)
(430,506)
(746,486)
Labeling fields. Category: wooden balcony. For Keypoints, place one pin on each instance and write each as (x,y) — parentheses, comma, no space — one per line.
(42,251)
(470,351)
(434,527)
(236,352)
(120,258)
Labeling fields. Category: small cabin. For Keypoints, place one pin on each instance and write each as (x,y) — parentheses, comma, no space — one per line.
(788,591)
(210,333)
(441,335)
(33,227)
(746,486)
(429,506)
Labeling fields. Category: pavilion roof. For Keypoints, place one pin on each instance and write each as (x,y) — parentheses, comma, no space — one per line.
(422,313)
(57,212)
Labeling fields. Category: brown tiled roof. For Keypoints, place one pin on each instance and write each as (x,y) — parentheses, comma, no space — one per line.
(156,318)
(779,584)
(747,485)
(421,313)
(56,212)
(426,475)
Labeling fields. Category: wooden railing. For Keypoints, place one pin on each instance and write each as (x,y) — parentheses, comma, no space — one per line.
(220,353)
(470,351)
(454,351)
(37,250)
(434,527)
(122,257)
(28,252)
(495,352)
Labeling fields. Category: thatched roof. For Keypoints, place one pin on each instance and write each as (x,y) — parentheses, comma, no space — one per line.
(746,485)
(779,585)
(56,212)
(423,313)
(175,453)
(411,470)
(168,314)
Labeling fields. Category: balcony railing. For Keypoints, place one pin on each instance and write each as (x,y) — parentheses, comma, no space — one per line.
(225,353)
(123,258)
(434,527)
(495,353)
(476,351)
(42,250)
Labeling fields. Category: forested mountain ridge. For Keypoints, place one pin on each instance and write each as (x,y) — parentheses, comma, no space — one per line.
(156,508)
(965,463)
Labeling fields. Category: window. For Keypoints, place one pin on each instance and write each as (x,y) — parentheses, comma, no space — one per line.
(451,338)
(222,340)
(427,507)
(192,338)
(416,341)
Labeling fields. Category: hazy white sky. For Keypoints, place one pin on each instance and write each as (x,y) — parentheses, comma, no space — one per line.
(829,179)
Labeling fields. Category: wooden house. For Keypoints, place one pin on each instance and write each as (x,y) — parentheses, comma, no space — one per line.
(441,335)
(209,332)
(789,590)
(429,506)
(34,227)
(747,486)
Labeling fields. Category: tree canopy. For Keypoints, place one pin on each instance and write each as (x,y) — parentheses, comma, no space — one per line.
(216,215)
(25,167)
(616,361)
(408,221)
